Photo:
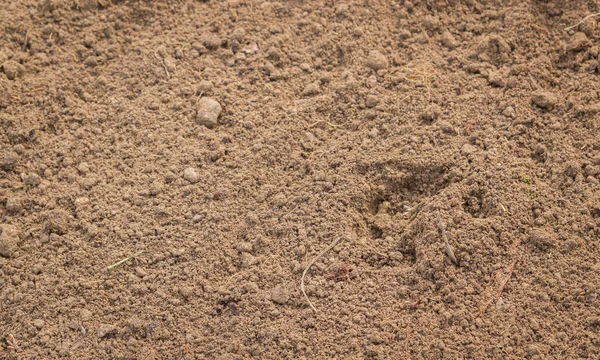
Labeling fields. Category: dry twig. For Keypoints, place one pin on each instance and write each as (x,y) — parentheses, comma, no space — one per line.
(449,250)
(501,277)
(162,61)
(311,264)
(26,41)
(323,122)
(582,21)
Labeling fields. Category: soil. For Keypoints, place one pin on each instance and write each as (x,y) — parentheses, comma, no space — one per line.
(169,169)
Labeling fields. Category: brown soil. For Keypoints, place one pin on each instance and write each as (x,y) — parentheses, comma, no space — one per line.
(222,145)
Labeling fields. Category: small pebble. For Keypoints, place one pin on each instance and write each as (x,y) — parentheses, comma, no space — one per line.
(431,113)
(244,247)
(376,60)
(448,40)
(83,167)
(496,79)
(205,87)
(509,112)
(579,42)
(446,127)
(542,239)
(468,149)
(38,323)
(544,99)
(85,314)
(210,41)
(280,295)
(9,237)
(14,205)
(32,179)
(191,175)
(105,330)
(311,89)
(12,69)
(371,101)
(208,111)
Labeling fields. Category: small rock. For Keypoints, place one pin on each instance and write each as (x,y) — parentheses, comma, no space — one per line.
(280,295)
(12,69)
(89,39)
(238,34)
(373,133)
(468,149)
(376,339)
(305,67)
(248,260)
(311,89)
(592,180)
(205,87)
(300,250)
(91,61)
(191,175)
(32,179)
(544,99)
(244,247)
(542,239)
(210,41)
(5,97)
(532,350)
(178,252)
(186,291)
(496,79)
(446,127)
(509,112)
(431,23)
(140,272)
(85,314)
(83,167)
(9,237)
(593,321)
(8,162)
(448,40)
(14,205)
(342,10)
(376,60)
(106,330)
(38,323)
(431,112)
(371,101)
(56,221)
(155,188)
(207,112)
(579,42)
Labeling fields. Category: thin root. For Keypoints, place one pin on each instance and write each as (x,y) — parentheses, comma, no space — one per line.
(582,21)
(311,264)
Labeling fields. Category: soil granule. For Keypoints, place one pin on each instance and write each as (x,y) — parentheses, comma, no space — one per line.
(220,146)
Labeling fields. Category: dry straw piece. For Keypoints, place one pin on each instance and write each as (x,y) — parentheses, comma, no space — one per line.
(311,264)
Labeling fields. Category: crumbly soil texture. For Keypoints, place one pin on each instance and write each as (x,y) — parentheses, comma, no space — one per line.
(169,169)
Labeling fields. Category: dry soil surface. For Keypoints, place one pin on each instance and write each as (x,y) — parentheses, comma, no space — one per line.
(451,149)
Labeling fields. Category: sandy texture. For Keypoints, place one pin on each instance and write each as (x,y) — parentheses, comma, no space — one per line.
(222,145)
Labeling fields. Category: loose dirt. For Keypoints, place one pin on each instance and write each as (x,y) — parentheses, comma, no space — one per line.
(221,146)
